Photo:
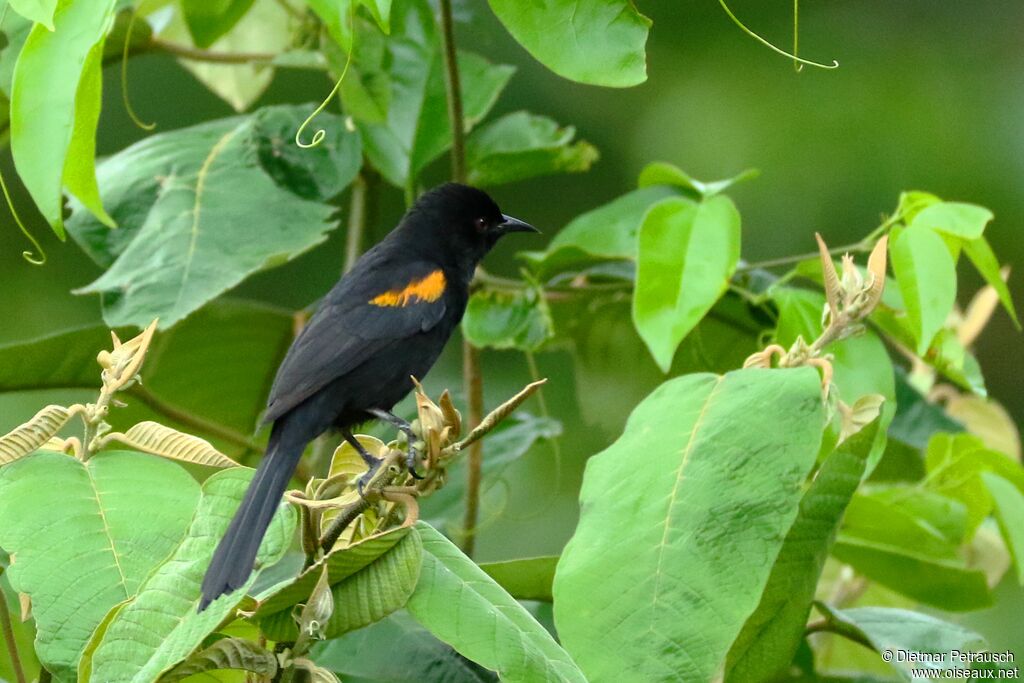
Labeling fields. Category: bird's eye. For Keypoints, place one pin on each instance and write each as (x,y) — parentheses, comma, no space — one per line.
(480,224)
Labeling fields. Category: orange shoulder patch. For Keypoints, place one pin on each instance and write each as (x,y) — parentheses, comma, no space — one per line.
(429,288)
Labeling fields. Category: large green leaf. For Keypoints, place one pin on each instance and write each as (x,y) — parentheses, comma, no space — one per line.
(524,145)
(682,519)
(1009,505)
(161,625)
(378,589)
(608,232)
(53,128)
(39,11)
(343,563)
(460,604)
(371,654)
(416,130)
(772,635)
(202,208)
(926,274)
(687,253)
(228,344)
(600,42)
(900,633)
(15,29)
(664,173)
(85,536)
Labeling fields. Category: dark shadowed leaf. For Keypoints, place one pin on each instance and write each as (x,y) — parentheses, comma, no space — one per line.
(523,145)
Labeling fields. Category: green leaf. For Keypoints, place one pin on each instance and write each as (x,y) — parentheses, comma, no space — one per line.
(600,42)
(664,173)
(941,514)
(15,29)
(185,235)
(39,11)
(877,521)
(523,145)
(698,493)
(605,233)
(342,563)
(208,20)
(460,604)
(900,631)
(416,130)
(86,536)
(966,221)
(945,584)
(687,253)
(53,127)
(984,259)
(370,654)
(772,635)
(226,653)
(1009,504)
(24,633)
(337,16)
(377,590)
(926,275)
(263,26)
(955,464)
(515,438)
(508,320)
(161,626)
(527,579)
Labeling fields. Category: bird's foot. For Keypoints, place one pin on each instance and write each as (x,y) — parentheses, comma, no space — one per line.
(364,480)
(411,460)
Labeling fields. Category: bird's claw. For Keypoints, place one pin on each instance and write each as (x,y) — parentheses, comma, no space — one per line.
(411,459)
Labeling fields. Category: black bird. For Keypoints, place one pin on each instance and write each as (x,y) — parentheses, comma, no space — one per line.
(387,319)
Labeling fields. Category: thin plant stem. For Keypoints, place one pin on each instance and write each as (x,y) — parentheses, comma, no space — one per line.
(27,255)
(7,626)
(473,379)
(196,54)
(193,421)
(356,222)
(124,74)
(455,116)
(789,260)
(769,45)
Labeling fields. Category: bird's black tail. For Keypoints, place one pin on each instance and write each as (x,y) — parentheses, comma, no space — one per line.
(235,555)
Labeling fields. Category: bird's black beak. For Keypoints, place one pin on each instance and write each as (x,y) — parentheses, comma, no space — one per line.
(509,224)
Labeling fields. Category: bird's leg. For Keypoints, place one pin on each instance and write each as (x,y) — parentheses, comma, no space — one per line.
(406,428)
(371,462)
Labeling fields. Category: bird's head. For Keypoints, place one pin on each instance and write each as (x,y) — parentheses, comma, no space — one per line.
(461,221)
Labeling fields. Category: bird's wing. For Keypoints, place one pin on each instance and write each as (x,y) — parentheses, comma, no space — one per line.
(364,312)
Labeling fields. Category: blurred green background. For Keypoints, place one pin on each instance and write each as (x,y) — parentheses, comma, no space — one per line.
(929,95)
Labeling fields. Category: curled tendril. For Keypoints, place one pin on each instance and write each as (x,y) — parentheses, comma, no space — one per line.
(318,136)
(735,20)
(27,255)
(124,72)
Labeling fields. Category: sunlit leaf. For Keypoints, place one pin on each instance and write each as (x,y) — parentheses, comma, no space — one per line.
(926,275)
(663,173)
(984,259)
(53,128)
(86,536)
(156,439)
(667,522)
(966,221)
(771,636)
(508,320)
(1009,506)
(687,253)
(461,605)
(161,626)
(208,20)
